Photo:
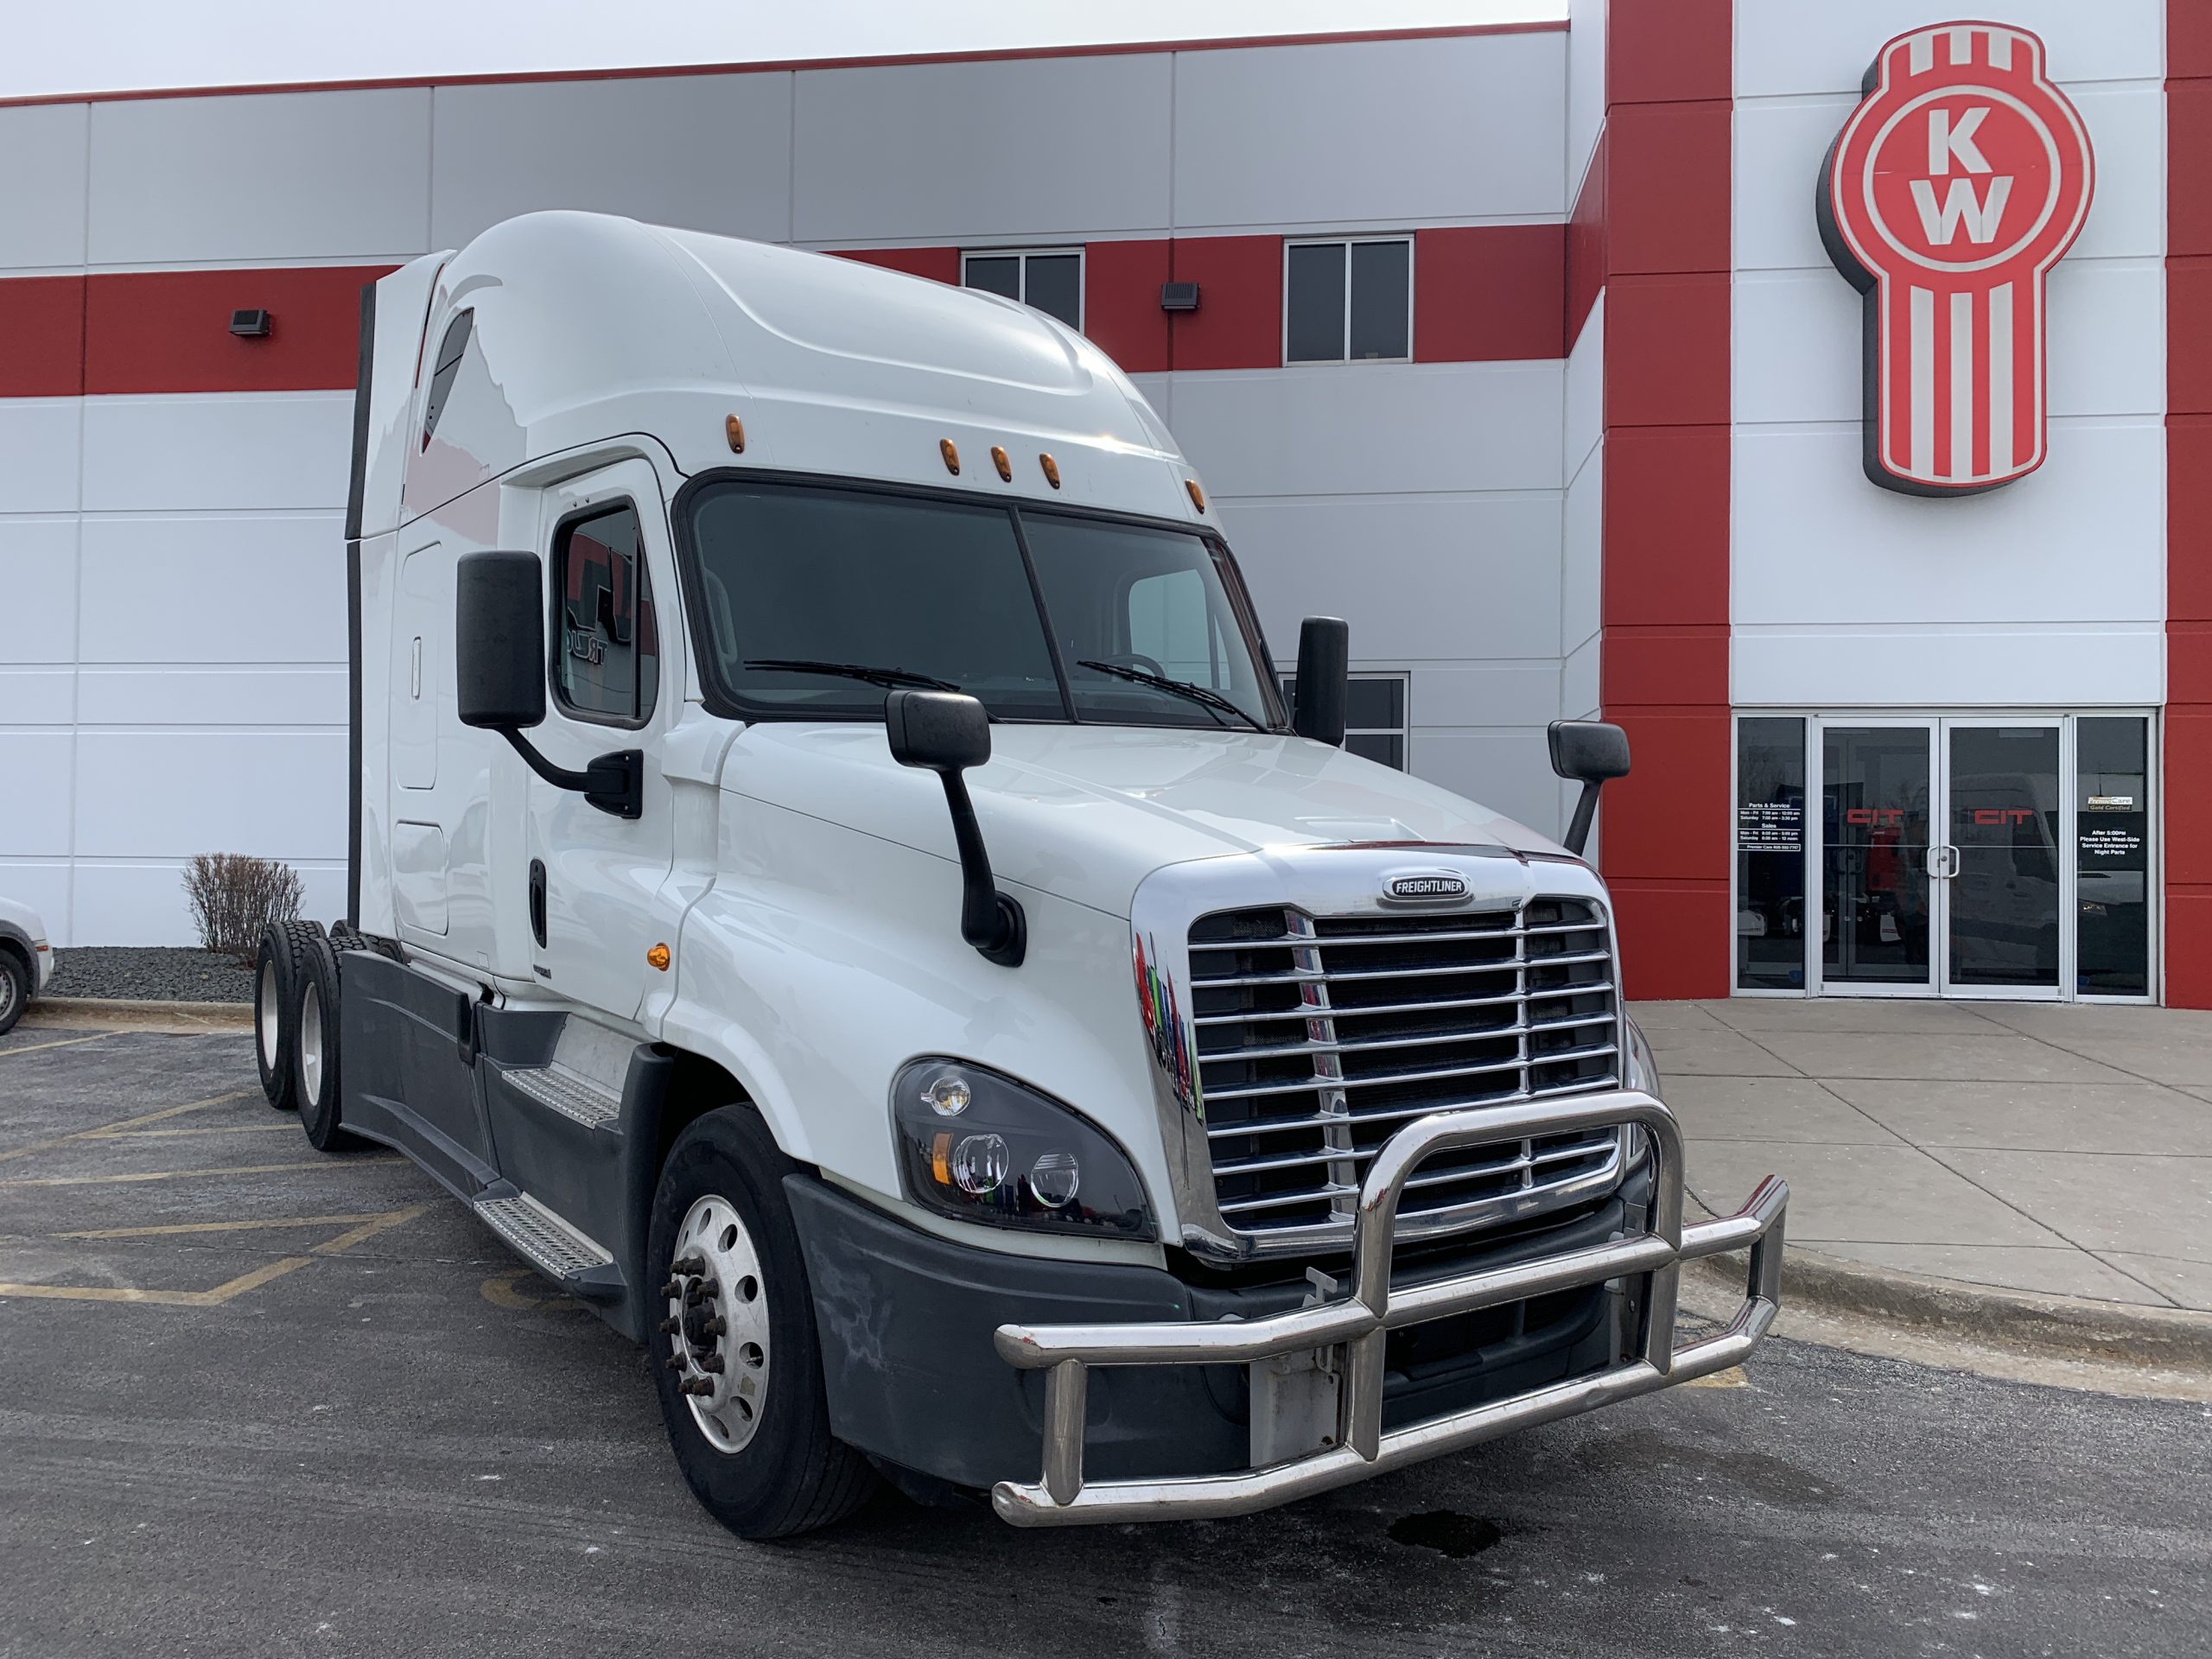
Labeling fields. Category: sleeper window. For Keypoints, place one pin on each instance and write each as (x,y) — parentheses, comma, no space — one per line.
(451,349)
(606,658)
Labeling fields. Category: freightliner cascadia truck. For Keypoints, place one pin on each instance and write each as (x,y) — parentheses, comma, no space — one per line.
(837,885)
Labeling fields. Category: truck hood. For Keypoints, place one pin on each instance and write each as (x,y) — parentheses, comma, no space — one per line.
(1086,812)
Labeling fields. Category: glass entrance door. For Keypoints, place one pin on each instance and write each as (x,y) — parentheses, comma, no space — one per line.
(1876,794)
(2001,863)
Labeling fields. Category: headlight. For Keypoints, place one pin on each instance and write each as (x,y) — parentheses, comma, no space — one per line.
(979,1146)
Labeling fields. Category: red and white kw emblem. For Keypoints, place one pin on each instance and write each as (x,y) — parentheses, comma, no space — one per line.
(1954,188)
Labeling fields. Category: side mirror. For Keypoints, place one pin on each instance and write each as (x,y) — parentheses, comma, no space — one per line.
(499,636)
(1323,679)
(946,733)
(1591,753)
(498,640)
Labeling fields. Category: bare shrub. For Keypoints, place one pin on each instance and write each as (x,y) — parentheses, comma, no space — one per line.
(232,897)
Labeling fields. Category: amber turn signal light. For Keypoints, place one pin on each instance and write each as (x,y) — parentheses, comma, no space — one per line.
(658,956)
(1052,470)
(999,460)
(945,448)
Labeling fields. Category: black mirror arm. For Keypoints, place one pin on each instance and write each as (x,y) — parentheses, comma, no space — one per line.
(1585,810)
(990,920)
(614,783)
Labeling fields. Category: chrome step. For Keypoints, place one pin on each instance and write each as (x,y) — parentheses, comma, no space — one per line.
(548,1242)
(576,1097)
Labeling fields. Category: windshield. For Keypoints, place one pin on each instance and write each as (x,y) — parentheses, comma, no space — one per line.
(816,599)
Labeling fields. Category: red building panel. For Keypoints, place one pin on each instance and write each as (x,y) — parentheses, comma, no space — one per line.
(1666,544)
(168,331)
(1238,324)
(1668,50)
(1674,935)
(1667,350)
(1488,293)
(42,336)
(1121,302)
(2189,507)
(1586,246)
(1667,205)
(1683,665)
(1667,820)
(938,265)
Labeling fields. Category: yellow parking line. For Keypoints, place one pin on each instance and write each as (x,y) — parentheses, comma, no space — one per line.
(123,1123)
(170,1228)
(230,1289)
(171,1135)
(185,1174)
(369,1227)
(65,1042)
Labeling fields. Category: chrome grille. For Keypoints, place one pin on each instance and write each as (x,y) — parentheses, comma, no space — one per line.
(1319,1037)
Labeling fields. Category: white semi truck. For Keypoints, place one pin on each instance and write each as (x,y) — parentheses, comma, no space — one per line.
(835,886)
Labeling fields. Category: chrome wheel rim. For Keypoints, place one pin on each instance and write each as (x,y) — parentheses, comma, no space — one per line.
(716,1319)
(311,1042)
(265,1013)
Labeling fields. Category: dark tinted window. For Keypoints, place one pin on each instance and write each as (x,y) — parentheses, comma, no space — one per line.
(1381,283)
(2112,832)
(1053,283)
(607,652)
(1770,854)
(1375,722)
(1002,276)
(1314,302)
(443,369)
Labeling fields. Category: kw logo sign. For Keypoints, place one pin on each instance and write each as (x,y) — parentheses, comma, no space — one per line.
(1958,182)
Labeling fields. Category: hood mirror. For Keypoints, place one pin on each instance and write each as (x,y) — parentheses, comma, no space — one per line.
(1592,753)
(946,733)
(1324,680)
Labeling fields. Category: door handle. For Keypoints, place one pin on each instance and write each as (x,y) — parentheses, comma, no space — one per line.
(1942,862)
(538,901)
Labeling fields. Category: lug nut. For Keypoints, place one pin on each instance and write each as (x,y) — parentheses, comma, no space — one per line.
(710,1362)
(670,1325)
(716,1326)
(673,1287)
(676,1361)
(696,1385)
(688,1264)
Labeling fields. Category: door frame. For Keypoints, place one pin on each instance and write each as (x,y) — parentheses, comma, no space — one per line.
(1939,722)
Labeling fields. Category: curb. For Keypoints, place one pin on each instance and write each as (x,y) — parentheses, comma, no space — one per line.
(226,1014)
(2070,1325)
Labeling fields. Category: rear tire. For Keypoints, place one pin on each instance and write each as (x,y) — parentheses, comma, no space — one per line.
(314,1045)
(765,1466)
(277,969)
(15,990)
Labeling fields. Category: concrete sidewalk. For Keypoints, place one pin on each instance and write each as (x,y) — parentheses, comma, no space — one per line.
(2059,1149)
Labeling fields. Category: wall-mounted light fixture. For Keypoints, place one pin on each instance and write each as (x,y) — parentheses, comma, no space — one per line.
(249,325)
(1178,296)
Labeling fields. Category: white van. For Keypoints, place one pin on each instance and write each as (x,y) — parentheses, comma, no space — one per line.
(834,885)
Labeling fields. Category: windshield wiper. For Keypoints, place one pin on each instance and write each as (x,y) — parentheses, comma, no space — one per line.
(1204,696)
(892,677)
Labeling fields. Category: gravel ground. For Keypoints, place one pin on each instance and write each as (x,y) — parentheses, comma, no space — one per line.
(156,973)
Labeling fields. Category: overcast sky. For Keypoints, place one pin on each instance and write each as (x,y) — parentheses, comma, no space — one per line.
(92,46)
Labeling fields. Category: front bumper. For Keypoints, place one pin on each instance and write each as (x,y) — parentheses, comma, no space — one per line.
(1347,1335)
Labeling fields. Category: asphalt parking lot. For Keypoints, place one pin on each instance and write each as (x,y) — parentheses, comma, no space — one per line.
(255,1400)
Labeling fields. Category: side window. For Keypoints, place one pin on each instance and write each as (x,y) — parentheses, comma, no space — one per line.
(451,349)
(1171,628)
(606,648)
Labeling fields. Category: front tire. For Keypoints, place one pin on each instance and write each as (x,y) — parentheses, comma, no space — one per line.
(736,1360)
(15,990)
(315,1046)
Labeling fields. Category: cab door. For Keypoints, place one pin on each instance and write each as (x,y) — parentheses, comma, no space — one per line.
(593,877)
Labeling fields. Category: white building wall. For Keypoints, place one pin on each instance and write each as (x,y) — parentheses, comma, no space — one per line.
(2047,592)
(181,689)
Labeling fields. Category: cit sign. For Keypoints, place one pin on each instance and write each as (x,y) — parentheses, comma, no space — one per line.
(1959,181)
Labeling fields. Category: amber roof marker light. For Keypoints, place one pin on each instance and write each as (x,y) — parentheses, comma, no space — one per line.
(999,460)
(733,430)
(946,448)
(1052,470)
(1197,495)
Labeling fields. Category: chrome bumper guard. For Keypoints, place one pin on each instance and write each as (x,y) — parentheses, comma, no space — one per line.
(1351,1332)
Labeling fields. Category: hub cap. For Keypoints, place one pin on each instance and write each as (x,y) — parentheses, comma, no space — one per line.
(265,1014)
(311,1043)
(717,1323)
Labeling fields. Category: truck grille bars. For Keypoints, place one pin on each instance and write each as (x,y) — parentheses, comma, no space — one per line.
(1349,1333)
(1318,1038)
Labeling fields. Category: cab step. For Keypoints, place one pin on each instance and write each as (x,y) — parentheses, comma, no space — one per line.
(577,1263)
(574,1096)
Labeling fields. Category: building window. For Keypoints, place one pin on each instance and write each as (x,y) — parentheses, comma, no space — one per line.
(1377,722)
(607,652)
(1050,279)
(1348,301)
(1770,853)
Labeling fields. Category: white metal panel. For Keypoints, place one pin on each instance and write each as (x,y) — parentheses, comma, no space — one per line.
(44,884)
(39,444)
(2113,664)
(180,696)
(1374,132)
(43,185)
(166,793)
(36,696)
(1420,577)
(1373,428)
(2128,128)
(1027,147)
(707,152)
(218,452)
(1500,692)
(38,590)
(141,901)
(264,588)
(1798,354)
(1787,47)
(1507,769)
(2081,539)
(1586,87)
(1584,392)
(1578,682)
(36,822)
(277,175)
(1582,554)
